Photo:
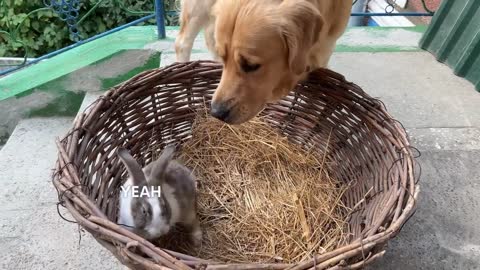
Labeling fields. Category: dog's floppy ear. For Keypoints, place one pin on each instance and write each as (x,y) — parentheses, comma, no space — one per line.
(301,23)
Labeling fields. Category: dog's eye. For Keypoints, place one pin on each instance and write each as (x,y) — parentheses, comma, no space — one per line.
(248,67)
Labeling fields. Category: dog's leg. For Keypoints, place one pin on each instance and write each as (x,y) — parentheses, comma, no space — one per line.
(210,38)
(185,39)
(321,54)
(194,16)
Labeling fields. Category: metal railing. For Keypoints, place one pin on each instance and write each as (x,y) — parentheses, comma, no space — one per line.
(68,11)
(390,8)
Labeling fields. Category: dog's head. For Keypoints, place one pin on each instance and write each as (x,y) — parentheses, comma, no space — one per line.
(264,47)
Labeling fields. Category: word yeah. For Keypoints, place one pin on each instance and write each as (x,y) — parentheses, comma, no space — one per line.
(144,191)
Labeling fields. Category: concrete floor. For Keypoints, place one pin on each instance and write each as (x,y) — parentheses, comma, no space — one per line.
(32,235)
(441,113)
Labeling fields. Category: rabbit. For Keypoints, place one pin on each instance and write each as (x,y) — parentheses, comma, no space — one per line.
(153,215)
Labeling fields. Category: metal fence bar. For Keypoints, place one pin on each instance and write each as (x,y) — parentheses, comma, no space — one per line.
(159,14)
(406,14)
(46,56)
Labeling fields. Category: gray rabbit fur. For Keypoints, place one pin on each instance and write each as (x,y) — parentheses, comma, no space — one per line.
(153,215)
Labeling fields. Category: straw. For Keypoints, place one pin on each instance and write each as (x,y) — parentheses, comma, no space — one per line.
(261,198)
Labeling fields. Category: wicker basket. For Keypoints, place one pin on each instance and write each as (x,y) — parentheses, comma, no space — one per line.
(370,153)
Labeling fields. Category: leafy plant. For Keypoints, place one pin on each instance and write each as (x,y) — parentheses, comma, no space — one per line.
(27,27)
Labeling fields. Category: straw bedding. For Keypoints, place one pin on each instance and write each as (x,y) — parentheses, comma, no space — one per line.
(260,197)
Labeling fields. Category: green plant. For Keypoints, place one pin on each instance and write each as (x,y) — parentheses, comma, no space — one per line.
(28,28)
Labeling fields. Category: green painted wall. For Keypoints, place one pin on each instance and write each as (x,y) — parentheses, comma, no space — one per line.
(87,54)
(63,95)
(70,88)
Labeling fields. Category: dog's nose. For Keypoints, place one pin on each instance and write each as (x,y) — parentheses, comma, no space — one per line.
(220,111)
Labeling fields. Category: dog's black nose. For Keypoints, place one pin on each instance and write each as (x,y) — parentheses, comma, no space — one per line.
(220,111)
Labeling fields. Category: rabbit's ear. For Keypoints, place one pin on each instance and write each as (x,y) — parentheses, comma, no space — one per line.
(159,167)
(133,168)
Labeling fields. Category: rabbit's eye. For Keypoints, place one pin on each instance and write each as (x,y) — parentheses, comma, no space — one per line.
(146,210)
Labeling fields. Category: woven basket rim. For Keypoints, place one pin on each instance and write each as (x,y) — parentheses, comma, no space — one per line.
(122,243)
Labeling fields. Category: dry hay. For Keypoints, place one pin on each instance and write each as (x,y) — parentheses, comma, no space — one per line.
(261,198)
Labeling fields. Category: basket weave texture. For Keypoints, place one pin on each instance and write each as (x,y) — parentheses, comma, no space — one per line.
(368,150)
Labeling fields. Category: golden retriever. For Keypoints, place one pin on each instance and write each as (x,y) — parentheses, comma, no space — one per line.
(266,46)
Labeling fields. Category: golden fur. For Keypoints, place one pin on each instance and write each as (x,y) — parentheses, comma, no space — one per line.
(266,46)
